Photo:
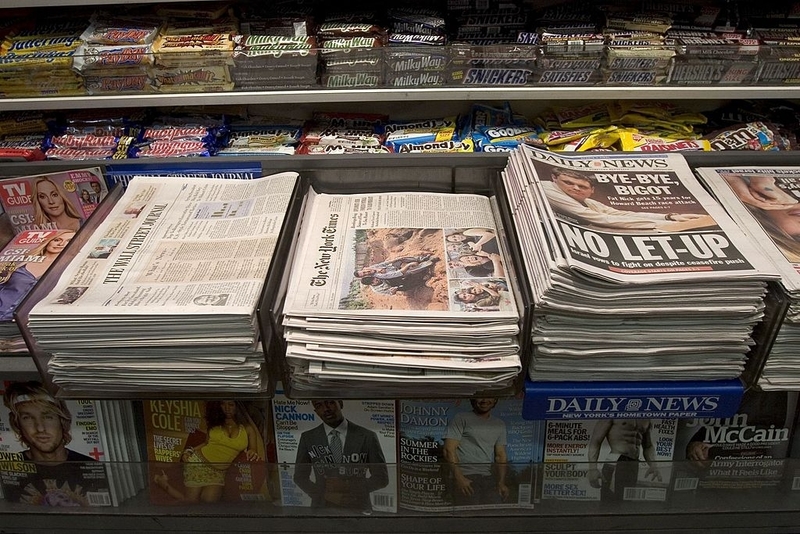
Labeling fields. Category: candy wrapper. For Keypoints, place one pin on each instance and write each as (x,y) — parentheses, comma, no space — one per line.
(758,135)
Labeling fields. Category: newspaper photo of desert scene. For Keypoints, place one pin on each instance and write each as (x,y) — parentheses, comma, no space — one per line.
(398,269)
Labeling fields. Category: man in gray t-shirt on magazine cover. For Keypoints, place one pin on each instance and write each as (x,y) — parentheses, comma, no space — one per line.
(475,447)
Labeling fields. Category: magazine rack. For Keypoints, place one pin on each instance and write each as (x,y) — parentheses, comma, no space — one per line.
(774,507)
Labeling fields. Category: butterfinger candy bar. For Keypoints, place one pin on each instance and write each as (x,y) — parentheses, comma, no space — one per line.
(41,44)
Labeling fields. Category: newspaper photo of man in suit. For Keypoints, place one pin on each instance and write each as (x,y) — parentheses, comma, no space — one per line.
(346,459)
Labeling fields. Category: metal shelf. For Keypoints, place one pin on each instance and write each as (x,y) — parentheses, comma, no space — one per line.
(438,94)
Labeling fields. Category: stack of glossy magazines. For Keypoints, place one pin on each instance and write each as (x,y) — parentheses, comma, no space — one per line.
(637,272)
(401,293)
(163,294)
(765,202)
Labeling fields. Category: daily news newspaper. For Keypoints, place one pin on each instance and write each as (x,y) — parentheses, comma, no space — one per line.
(177,247)
(639,218)
(765,201)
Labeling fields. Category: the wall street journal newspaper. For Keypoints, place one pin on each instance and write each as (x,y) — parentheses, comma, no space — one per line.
(188,247)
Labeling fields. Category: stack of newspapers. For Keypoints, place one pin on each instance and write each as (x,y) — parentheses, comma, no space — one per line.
(765,202)
(163,294)
(637,272)
(400,293)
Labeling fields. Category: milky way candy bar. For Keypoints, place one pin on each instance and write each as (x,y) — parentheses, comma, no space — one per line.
(416,79)
(346,80)
(409,60)
(337,30)
(415,39)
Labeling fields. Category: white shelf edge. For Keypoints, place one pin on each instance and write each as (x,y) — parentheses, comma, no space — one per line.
(471,94)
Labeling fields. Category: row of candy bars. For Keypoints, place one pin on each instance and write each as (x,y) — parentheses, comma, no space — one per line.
(622,125)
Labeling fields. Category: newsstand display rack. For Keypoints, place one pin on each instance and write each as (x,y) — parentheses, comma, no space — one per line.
(776,510)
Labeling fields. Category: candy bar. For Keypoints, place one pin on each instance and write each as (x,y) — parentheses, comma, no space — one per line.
(416,79)
(97,56)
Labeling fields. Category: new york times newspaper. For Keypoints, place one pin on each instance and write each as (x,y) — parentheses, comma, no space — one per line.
(423,255)
(639,218)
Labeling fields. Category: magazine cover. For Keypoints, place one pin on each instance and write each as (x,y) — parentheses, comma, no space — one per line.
(746,451)
(23,261)
(336,453)
(206,451)
(465,454)
(608,459)
(59,200)
(51,450)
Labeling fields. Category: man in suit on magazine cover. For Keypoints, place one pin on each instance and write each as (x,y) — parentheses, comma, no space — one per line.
(341,455)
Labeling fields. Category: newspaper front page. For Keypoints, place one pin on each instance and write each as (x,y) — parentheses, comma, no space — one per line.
(639,218)
(764,201)
(438,256)
(180,248)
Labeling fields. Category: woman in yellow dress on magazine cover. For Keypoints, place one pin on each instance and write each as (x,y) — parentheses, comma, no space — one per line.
(230,433)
